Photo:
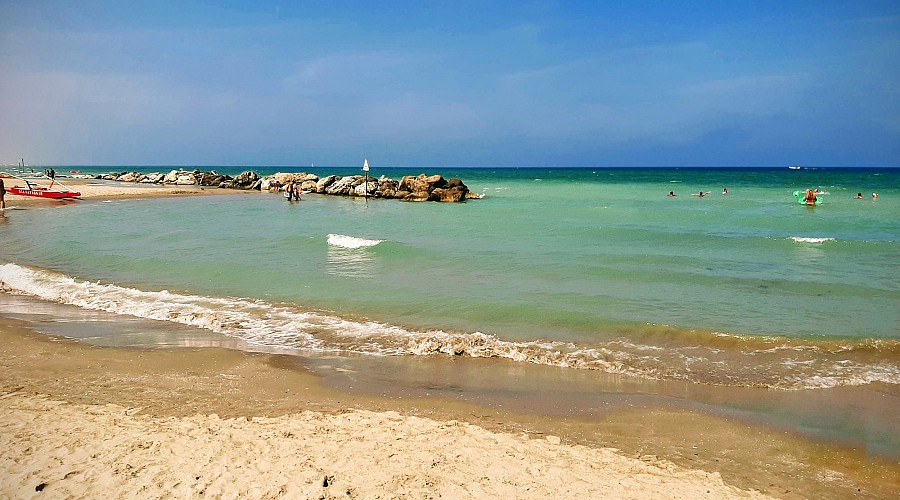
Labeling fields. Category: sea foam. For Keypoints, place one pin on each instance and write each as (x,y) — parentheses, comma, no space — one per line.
(801,239)
(287,326)
(340,240)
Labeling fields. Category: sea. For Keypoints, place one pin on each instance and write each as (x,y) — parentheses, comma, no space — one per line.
(562,284)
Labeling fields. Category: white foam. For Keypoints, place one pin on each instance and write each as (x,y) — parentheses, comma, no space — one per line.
(251,320)
(340,240)
(287,327)
(801,239)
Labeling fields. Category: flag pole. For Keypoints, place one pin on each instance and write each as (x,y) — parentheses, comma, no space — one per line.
(366,170)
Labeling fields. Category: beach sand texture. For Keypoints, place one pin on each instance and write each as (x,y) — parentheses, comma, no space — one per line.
(109,190)
(82,422)
(73,450)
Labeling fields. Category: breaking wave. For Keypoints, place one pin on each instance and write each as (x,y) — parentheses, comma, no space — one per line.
(800,239)
(340,240)
(715,359)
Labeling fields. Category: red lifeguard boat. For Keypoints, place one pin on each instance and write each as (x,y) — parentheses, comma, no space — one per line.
(54,190)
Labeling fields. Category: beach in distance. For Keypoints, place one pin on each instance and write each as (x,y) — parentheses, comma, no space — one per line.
(573,332)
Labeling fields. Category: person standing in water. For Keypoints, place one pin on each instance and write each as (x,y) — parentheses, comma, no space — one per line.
(289,190)
(2,195)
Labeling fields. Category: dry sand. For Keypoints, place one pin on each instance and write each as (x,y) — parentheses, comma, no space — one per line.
(100,189)
(93,451)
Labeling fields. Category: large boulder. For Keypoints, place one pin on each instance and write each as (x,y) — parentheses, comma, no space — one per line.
(129,177)
(284,177)
(413,183)
(269,184)
(416,196)
(180,177)
(185,179)
(210,178)
(431,187)
(366,188)
(246,180)
(153,178)
(451,195)
(387,187)
(435,181)
(323,183)
(343,186)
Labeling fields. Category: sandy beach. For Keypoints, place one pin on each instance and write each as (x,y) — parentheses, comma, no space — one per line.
(80,421)
(108,190)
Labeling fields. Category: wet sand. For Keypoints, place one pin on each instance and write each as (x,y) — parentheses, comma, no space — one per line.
(82,420)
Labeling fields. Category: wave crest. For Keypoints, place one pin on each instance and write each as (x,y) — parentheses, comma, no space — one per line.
(801,239)
(340,240)
(781,363)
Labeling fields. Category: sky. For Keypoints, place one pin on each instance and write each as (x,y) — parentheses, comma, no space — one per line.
(451,83)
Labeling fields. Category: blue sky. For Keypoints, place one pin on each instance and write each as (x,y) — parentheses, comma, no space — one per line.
(452,83)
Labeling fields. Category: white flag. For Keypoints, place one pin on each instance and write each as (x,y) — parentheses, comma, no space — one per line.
(366,165)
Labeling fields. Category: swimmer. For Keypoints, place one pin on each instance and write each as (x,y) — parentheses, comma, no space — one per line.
(671,193)
(874,196)
(725,191)
(701,194)
(810,197)
(858,196)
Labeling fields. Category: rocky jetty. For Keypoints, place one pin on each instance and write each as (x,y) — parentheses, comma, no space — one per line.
(410,188)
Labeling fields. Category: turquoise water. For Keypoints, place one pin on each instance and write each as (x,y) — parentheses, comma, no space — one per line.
(588,269)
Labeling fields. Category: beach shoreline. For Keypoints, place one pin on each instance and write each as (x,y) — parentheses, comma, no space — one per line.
(82,421)
(91,396)
(186,422)
(98,190)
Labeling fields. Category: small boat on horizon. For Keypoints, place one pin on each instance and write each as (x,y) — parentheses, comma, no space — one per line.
(794,167)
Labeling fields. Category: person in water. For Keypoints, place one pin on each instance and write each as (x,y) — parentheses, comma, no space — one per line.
(289,190)
(858,196)
(701,194)
(2,195)
(810,197)
(874,196)
(671,193)
(725,191)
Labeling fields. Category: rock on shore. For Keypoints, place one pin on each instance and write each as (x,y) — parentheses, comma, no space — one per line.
(410,188)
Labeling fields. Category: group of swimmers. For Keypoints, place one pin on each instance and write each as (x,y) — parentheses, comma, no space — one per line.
(810,196)
(701,194)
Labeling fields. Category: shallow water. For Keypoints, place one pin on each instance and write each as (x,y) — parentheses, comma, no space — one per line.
(579,268)
(583,269)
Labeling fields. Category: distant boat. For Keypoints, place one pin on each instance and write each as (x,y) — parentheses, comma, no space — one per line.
(794,167)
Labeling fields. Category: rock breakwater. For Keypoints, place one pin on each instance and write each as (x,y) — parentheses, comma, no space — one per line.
(420,187)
